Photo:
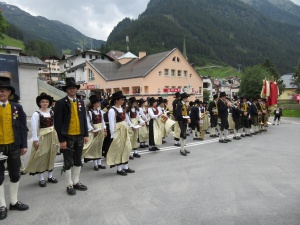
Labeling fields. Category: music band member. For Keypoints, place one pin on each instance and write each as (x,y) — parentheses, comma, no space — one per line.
(183,120)
(195,120)
(13,144)
(120,147)
(223,106)
(213,111)
(97,132)
(71,127)
(155,132)
(176,126)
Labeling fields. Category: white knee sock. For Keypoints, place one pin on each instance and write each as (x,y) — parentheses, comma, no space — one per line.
(95,162)
(181,144)
(234,132)
(135,151)
(41,175)
(194,133)
(68,178)
(50,174)
(99,162)
(225,133)
(221,135)
(14,187)
(125,167)
(75,174)
(2,198)
(119,168)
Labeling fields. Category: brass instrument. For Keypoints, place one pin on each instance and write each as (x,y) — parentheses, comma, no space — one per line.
(164,118)
(215,111)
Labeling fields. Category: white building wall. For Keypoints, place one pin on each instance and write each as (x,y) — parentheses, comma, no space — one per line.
(28,88)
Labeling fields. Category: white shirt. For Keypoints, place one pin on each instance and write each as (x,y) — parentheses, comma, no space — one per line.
(89,119)
(142,113)
(112,119)
(138,117)
(1,103)
(151,111)
(35,123)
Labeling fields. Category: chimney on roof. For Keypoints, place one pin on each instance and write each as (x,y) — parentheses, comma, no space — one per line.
(142,54)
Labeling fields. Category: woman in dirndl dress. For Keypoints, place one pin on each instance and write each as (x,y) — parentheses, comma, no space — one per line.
(120,145)
(45,141)
(144,130)
(133,119)
(97,131)
(155,131)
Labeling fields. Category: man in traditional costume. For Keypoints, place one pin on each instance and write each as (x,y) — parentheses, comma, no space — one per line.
(13,144)
(213,111)
(223,106)
(183,120)
(176,126)
(71,127)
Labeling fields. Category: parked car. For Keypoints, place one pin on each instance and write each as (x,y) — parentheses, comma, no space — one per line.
(58,84)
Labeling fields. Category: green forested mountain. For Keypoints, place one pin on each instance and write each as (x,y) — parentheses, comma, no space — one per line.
(284,11)
(228,31)
(62,36)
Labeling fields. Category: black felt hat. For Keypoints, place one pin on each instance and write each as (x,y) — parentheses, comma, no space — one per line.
(5,79)
(141,101)
(152,100)
(132,99)
(70,82)
(222,94)
(184,95)
(215,96)
(94,99)
(117,95)
(177,95)
(43,96)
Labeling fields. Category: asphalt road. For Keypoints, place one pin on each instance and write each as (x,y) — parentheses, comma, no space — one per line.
(251,181)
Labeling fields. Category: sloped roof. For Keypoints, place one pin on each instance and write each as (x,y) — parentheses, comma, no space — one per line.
(31,60)
(134,69)
(128,55)
(287,79)
(115,54)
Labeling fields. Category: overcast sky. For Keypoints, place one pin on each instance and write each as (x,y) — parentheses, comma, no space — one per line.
(94,18)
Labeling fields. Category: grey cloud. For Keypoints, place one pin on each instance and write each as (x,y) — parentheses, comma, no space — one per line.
(94,18)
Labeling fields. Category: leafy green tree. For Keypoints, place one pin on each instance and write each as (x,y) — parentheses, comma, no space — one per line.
(40,48)
(296,79)
(3,25)
(206,95)
(252,81)
(14,32)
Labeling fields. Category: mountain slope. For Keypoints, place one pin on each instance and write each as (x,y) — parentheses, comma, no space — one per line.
(227,31)
(62,36)
(284,11)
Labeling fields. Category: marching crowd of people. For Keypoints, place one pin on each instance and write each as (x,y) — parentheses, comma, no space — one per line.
(114,129)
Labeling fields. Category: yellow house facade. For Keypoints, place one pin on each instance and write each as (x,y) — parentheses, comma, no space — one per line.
(160,74)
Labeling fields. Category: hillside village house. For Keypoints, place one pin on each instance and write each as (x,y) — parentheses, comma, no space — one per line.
(160,74)
(289,91)
(52,71)
(74,65)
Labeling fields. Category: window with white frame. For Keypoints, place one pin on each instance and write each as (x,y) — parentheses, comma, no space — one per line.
(179,73)
(173,73)
(91,75)
(166,72)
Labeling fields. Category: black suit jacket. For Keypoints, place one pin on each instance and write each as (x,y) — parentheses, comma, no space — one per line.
(253,110)
(19,123)
(222,109)
(62,116)
(194,115)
